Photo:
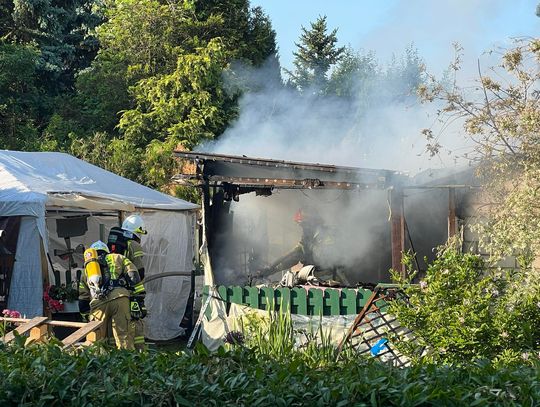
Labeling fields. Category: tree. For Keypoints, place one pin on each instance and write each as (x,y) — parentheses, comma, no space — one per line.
(157,82)
(355,75)
(61,30)
(183,107)
(317,54)
(502,117)
(20,97)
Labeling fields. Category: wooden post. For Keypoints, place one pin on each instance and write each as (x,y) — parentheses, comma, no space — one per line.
(397,230)
(451,212)
(37,333)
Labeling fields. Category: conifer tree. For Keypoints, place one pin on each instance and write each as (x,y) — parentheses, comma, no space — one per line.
(317,53)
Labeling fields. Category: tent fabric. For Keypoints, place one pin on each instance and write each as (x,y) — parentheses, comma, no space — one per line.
(168,247)
(26,289)
(45,173)
(33,183)
(170,250)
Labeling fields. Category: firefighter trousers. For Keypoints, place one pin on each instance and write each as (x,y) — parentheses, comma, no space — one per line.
(116,313)
(137,329)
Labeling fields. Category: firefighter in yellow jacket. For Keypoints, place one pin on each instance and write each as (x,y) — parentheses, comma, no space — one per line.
(104,291)
(127,241)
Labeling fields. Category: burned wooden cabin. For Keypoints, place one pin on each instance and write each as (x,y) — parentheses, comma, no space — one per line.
(371,215)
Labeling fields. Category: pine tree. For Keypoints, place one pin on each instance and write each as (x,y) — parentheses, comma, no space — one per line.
(317,53)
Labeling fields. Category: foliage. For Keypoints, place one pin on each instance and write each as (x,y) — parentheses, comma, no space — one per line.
(157,82)
(463,311)
(43,374)
(274,336)
(61,30)
(55,296)
(367,83)
(183,107)
(20,96)
(502,117)
(5,326)
(317,54)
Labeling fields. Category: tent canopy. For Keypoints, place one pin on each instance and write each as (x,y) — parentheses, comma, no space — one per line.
(40,187)
(58,179)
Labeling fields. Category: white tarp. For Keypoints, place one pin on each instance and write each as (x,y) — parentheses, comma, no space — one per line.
(31,183)
(26,278)
(50,173)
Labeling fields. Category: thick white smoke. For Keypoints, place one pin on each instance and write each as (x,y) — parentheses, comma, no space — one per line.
(379,128)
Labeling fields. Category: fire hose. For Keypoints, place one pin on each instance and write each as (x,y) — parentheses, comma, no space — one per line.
(197,326)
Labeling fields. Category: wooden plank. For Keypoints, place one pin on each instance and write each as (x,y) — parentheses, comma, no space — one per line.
(451,212)
(223,292)
(283,298)
(348,302)
(362,298)
(331,302)
(236,296)
(16,320)
(299,301)
(37,333)
(70,324)
(315,302)
(269,299)
(397,230)
(24,328)
(95,336)
(81,333)
(252,298)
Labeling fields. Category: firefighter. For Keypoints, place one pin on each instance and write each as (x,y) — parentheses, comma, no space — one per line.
(127,241)
(308,250)
(104,291)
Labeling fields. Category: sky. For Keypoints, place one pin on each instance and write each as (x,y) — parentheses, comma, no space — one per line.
(389,26)
(279,124)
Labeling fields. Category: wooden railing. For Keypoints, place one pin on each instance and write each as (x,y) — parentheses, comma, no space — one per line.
(38,329)
(305,300)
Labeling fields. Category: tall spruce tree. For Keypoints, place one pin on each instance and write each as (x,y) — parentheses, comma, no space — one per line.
(317,53)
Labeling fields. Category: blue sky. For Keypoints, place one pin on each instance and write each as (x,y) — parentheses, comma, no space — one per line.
(389,26)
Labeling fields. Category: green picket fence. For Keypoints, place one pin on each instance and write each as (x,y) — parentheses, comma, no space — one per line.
(300,300)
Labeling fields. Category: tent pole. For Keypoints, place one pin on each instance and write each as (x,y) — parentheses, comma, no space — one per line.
(120,218)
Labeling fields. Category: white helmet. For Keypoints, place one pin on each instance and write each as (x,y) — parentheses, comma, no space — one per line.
(134,224)
(99,245)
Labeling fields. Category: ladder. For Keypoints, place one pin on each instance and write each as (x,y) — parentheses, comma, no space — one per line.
(37,330)
(375,331)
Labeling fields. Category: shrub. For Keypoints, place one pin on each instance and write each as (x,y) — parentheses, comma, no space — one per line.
(47,375)
(463,310)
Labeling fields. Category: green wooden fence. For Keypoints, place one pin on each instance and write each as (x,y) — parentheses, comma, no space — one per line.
(302,301)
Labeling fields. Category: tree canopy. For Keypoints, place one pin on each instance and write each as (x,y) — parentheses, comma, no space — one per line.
(317,53)
(501,115)
(122,83)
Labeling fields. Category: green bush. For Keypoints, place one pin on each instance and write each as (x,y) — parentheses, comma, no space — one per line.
(46,375)
(463,310)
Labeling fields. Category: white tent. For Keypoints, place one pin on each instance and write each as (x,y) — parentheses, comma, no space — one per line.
(39,188)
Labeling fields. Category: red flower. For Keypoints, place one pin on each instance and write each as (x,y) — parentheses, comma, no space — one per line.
(52,304)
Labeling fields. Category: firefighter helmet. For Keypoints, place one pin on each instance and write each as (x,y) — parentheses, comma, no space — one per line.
(99,245)
(134,224)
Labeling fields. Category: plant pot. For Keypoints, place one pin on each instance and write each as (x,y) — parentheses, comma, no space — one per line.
(72,306)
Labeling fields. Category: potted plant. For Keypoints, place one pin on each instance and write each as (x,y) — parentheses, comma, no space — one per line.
(62,298)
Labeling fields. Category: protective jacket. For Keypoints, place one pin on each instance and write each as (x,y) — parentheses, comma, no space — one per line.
(112,305)
(119,273)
